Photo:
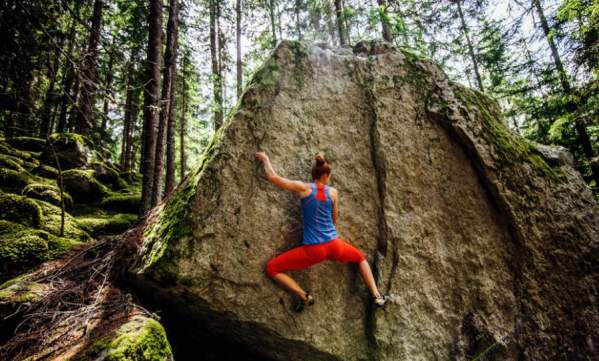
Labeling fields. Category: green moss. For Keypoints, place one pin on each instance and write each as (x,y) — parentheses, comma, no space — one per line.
(48,193)
(51,222)
(108,175)
(7,149)
(107,224)
(141,338)
(300,57)
(45,171)
(83,186)
(508,148)
(173,220)
(13,181)
(23,247)
(69,138)
(20,290)
(20,209)
(30,144)
(10,162)
(128,203)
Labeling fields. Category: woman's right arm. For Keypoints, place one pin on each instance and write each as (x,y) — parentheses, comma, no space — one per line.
(274,178)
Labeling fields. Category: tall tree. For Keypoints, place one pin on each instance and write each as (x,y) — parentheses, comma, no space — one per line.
(173,31)
(216,74)
(340,27)
(239,65)
(466,33)
(384,16)
(151,102)
(89,72)
(271,10)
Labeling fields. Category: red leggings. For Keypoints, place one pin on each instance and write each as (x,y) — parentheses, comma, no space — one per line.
(310,254)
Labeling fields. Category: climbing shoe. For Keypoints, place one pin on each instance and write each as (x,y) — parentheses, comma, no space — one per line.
(299,306)
(380,301)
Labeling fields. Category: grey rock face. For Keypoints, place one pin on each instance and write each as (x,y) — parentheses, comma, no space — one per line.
(486,243)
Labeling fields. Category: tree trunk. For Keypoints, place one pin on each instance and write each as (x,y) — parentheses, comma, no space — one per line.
(216,82)
(151,102)
(271,9)
(182,160)
(107,90)
(167,89)
(88,83)
(130,150)
(238,44)
(170,129)
(339,17)
(127,117)
(582,135)
(384,20)
(298,25)
(479,80)
(45,125)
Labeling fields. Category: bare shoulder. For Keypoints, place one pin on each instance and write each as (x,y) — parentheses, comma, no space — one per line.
(334,192)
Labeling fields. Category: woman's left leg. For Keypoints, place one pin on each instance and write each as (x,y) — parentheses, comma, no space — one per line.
(342,251)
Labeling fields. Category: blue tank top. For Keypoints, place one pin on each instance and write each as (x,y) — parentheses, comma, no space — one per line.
(317,212)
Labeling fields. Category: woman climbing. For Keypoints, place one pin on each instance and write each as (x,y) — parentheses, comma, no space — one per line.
(319,212)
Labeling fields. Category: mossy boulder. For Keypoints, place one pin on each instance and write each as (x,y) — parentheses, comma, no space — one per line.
(48,193)
(108,175)
(30,144)
(22,248)
(45,171)
(12,180)
(83,186)
(130,176)
(126,203)
(7,149)
(16,208)
(51,215)
(141,338)
(19,290)
(11,162)
(72,151)
(106,224)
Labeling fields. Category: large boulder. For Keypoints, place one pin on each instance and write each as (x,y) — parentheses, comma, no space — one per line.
(487,243)
(72,151)
(83,186)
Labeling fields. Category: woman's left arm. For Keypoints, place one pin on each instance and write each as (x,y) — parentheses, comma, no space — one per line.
(274,178)
(334,195)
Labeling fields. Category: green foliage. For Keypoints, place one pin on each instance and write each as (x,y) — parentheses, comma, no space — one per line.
(51,222)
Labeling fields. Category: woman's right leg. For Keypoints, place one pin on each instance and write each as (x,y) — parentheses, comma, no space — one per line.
(294,259)
(342,251)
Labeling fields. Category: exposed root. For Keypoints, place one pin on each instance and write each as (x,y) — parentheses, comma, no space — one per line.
(79,304)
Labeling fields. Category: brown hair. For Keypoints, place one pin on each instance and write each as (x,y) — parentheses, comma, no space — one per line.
(321,167)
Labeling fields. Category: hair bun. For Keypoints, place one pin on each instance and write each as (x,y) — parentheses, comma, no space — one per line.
(319,160)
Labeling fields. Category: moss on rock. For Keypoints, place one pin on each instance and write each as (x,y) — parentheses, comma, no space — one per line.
(48,193)
(72,151)
(20,209)
(82,186)
(106,224)
(10,162)
(45,171)
(108,175)
(51,222)
(127,203)
(20,290)
(7,149)
(22,247)
(30,144)
(13,181)
(141,338)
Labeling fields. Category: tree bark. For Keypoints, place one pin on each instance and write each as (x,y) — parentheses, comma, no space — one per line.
(238,44)
(339,17)
(298,25)
(151,102)
(167,89)
(479,80)
(127,118)
(170,134)
(384,21)
(45,125)
(88,83)
(182,159)
(271,9)
(107,90)
(214,52)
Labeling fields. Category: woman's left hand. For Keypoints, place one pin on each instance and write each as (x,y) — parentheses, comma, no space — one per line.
(261,156)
